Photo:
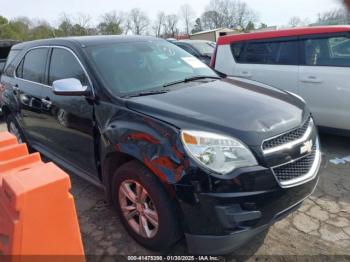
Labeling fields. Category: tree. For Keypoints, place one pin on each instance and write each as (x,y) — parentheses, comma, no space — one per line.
(78,25)
(65,26)
(83,20)
(295,21)
(228,13)
(159,24)
(242,15)
(197,26)
(42,30)
(81,25)
(334,17)
(262,26)
(212,19)
(138,21)
(250,27)
(111,23)
(17,29)
(3,20)
(187,15)
(171,29)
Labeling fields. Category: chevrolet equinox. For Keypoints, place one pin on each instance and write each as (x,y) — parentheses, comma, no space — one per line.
(178,149)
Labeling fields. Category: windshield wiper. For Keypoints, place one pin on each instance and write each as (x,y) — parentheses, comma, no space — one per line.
(148,93)
(189,79)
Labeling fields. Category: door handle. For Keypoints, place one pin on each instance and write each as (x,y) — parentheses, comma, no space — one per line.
(311,79)
(46,102)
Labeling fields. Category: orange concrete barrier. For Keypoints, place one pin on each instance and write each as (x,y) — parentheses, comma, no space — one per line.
(37,212)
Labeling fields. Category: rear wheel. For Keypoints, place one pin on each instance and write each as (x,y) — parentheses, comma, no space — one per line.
(144,207)
(14,128)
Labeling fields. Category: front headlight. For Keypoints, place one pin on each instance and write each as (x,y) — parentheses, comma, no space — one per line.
(221,154)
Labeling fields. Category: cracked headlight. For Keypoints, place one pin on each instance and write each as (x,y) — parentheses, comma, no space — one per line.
(219,153)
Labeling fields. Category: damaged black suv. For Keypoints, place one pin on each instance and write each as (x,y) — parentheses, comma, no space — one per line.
(179,150)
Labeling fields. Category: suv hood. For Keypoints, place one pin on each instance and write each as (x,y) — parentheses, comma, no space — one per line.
(247,110)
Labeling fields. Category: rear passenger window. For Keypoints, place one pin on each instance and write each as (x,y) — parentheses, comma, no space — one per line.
(272,52)
(65,65)
(237,51)
(33,66)
(327,51)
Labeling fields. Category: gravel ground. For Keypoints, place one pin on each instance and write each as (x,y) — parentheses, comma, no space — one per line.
(320,227)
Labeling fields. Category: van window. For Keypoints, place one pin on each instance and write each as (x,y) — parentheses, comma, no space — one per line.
(12,55)
(64,65)
(272,52)
(33,66)
(327,51)
(9,66)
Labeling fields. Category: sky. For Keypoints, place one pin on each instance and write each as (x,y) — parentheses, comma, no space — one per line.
(271,12)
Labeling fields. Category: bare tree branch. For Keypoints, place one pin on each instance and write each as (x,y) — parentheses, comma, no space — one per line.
(138,21)
(187,15)
(171,29)
(159,24)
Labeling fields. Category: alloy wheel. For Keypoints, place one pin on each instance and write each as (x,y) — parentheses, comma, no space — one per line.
(138,208)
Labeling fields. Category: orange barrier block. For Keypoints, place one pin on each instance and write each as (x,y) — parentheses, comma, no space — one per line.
(37,212)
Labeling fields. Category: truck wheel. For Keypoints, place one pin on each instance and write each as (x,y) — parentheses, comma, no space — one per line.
(144,207)
(14,128)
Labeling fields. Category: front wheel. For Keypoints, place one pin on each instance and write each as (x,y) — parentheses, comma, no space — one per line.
(144,207)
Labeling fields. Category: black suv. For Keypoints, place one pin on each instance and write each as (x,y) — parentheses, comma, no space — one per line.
(178,149)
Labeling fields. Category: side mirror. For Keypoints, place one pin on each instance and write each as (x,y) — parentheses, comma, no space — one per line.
(69,87)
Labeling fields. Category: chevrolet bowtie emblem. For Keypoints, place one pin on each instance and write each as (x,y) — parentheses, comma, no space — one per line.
(306,147)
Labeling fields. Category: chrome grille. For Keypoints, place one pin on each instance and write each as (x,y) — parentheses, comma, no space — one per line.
(287,137)
(296,169)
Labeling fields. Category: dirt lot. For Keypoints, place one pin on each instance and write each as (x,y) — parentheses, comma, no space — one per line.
(320,226)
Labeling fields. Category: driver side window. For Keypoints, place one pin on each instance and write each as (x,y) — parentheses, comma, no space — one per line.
(65,65)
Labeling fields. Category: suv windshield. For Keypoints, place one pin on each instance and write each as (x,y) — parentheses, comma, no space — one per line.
(132,67)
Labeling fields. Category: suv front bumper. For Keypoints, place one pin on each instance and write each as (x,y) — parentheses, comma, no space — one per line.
(221,221)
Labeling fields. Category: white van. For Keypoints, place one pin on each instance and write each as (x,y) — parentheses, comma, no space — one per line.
(313,63)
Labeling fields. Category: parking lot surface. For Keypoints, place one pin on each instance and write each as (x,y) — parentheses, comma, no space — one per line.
(320,226)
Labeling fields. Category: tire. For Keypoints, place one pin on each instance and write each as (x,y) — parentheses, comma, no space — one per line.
(13,128)
(158,201)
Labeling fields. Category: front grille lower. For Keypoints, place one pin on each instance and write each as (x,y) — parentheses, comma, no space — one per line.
(297,169)
(287,137)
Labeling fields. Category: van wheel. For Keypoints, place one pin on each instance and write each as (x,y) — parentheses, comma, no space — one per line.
(14,128)
(144,207)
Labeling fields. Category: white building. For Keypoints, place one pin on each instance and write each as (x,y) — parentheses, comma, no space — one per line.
(212,35)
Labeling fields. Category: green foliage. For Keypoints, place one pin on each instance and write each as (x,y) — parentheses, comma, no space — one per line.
(64,29)
(3,20)
(41,32)
(250,27)
(109,28)
(16,30)
(262,26)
